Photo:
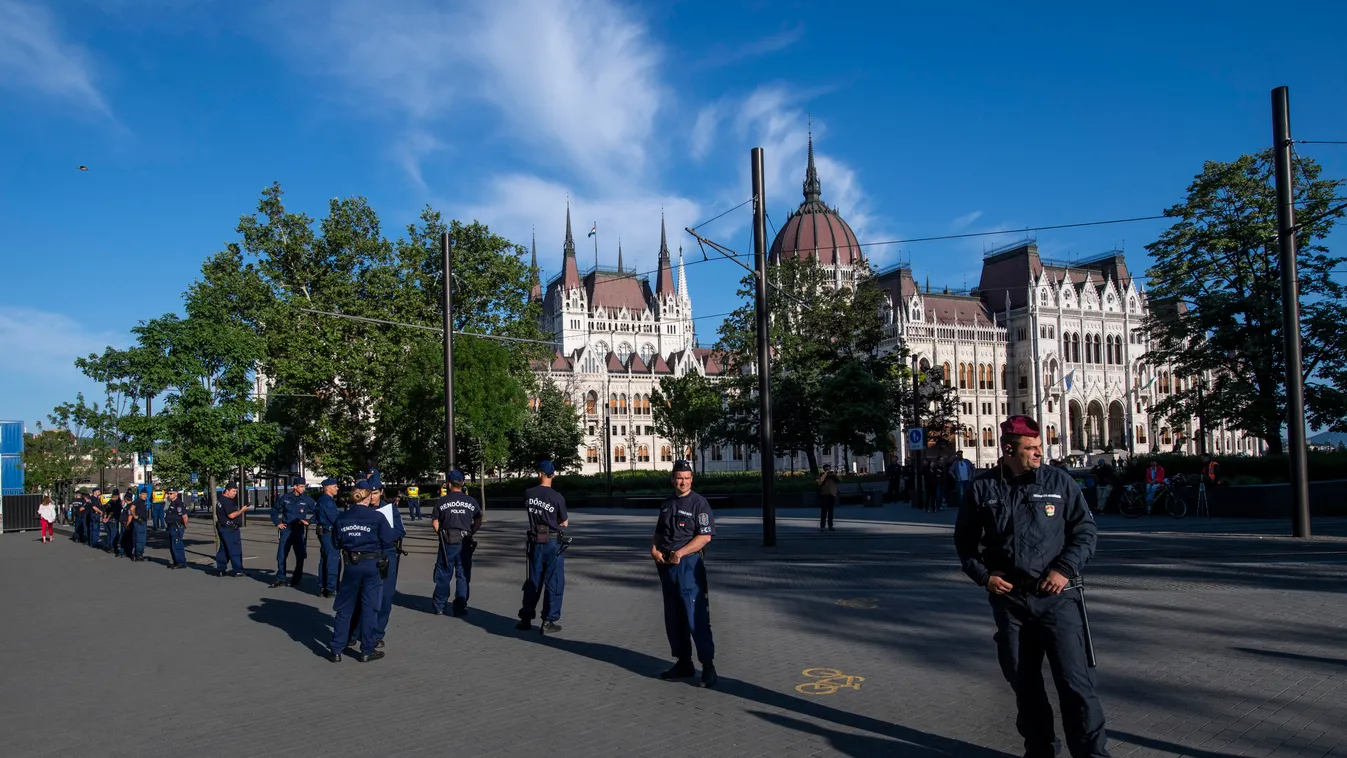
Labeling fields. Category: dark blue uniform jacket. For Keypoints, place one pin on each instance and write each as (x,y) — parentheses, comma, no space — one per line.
(681,519)
(456,512)
(546,506)
(326,511)
(1023,526)
(223,507)
(291,507)
(362,530)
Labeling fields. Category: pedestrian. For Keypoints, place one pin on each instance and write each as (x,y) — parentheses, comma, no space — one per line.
(1155,479)
(827,497)
(893,472)
(111,524)
(961,471)
(80,515)
(413,504)
(291,514)
(175,520)
(228,521)
(156,511)
(1024,533)
(685,526)
(362,536)
(137,520)
(457,516)
(329,558)
(392,553)
(1105,476)
(1211,471)
(546,577)
(47,513)
(932,480)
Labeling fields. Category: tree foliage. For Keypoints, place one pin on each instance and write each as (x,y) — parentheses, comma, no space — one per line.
(1216,305)
(831,385)
(552,431)
(684,409)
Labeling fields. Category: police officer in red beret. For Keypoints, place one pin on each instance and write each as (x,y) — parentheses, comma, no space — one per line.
(1024,533)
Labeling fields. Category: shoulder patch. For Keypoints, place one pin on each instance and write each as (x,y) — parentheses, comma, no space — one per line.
(703,519)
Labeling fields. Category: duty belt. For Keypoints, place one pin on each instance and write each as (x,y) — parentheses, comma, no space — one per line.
(358,557)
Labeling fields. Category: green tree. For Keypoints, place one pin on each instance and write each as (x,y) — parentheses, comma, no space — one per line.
(684,410)
(818,333)
(50,460)
(1215,293)
(551,431)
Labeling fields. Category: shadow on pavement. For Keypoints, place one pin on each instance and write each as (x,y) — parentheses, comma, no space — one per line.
(649,666)
(304,623)
(1301,657)
(1168,747)
(844,743)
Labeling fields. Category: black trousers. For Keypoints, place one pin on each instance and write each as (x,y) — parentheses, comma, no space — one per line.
(1028,629)
(826,504)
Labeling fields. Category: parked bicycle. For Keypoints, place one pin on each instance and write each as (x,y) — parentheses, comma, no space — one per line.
(1167,499)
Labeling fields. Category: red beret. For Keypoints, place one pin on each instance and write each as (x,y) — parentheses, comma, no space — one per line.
(1023,426)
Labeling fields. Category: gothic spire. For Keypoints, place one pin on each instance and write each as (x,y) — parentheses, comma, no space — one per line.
(536,291)
(570,269)
(682,276)
(663,237)
(812,190)
(619,255)
(664,284)
(569,248)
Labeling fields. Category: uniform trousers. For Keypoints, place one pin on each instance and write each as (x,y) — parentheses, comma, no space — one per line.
(390,589)
(329,561)
(112,537)
(157,516)
(137,529)
(294,537)
(687,608)
(546,580)
(176,550)
(453,563)
(1028,628)
(362,586)
(230,550)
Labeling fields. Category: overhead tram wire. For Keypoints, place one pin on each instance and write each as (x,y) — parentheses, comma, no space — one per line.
(426,328)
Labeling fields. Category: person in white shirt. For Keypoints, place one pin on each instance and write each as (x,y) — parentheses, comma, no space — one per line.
(47,512)
(961,471)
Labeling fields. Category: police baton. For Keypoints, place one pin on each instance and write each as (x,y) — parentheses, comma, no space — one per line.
(1079,584)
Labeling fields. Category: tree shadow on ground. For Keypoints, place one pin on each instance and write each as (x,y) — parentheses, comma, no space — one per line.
(649,666)
(846,743)
(1316,660)
(304,623)
(1168,747)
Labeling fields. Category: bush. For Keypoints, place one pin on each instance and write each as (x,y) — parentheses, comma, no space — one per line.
(657,483)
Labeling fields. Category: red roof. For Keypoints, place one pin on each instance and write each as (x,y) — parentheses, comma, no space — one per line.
(711,360)
(659,366)
(611,290)
(638,365)
(614,364)
(817,231)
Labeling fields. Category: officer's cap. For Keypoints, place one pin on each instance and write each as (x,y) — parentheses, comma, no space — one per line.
(547,468)
(375,481)
(328,482)
(299,480)
(1022,426)
(363,485)
(456,476)
(231,486)
(681,466)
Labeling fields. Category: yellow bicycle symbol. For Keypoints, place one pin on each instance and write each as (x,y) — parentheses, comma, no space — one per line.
(867,603)
(827,682)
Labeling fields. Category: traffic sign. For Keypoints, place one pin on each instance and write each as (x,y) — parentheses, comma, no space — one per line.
(194,477)
(916,437)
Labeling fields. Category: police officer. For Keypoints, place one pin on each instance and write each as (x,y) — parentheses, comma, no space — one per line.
(390,513)
(228,521)
(137,520)
(363,536)
(291,513)
(1025,534)
(111,524)
(413,504)
(457,517)
(329,558)
(685,526)
(175,518)
(79,518)
(156,510)
(546,570)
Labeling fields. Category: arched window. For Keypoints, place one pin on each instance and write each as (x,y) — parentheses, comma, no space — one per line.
(643,454)
(1003,376)
(612,403)
(592,454)
(665,453)
(620,454)
(1075,347)
(1098,349)
(925,365)
(963,376)
(647,350)
(945,374)
(1089,349)
(622,404)
(623,351)
(1066,347)
(968,439)
(592,402)
(988,438)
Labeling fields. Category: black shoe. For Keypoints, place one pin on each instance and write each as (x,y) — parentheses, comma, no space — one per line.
(437,611)
(275,584)
(524,625)
(831,529)
(378,644)
(460,612)
(295,584)
(551,627)
(237,573)
(334,657)
(325,593)
(368,657)
(709,677)
(680,670)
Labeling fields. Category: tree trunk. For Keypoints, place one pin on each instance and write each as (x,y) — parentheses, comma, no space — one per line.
(813,461)
(210,505)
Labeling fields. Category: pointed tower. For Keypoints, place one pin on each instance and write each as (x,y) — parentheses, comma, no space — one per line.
(812,189)
(570,270)
(619,255)
(536,292)
(682,277)
(664,284)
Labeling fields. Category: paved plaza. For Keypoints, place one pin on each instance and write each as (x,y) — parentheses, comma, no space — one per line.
(1215,638)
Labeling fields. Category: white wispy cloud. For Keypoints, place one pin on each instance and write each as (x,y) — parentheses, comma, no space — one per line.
(966,220)
(725,55)
(43,344)
(36,57)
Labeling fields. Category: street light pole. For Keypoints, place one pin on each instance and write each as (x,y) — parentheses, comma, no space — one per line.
(1286,243)
(918,452)
(765,445)
(446,247)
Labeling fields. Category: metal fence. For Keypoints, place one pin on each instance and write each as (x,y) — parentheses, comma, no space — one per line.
(19,513)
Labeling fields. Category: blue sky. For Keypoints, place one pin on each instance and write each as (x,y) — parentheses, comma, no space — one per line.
(926,122)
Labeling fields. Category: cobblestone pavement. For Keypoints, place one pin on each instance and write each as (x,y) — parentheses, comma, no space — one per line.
(1215,639)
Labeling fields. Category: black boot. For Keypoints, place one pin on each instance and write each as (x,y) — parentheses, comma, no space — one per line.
(709,677)
(683,669)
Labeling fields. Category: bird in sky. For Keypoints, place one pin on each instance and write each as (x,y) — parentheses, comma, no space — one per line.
(84,168)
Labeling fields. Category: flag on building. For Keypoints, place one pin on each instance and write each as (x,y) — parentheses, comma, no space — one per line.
(593,230)
(1068,379)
